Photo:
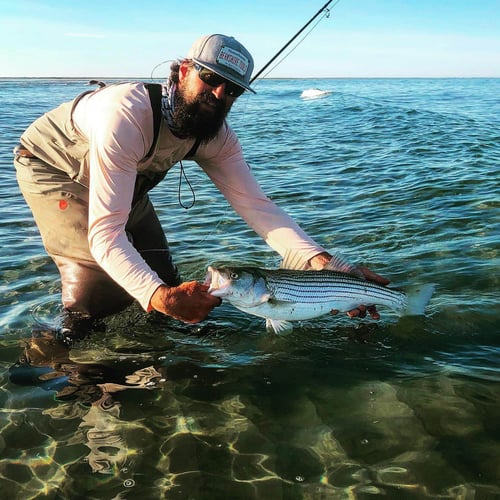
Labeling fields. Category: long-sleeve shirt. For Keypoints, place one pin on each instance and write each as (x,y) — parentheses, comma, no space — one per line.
(117,122)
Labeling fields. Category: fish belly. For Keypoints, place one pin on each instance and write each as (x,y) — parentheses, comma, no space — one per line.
(288,311)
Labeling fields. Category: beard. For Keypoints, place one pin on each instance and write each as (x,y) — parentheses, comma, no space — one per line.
(202,118)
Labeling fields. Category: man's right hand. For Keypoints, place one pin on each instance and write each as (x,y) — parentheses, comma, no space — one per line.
(189,302)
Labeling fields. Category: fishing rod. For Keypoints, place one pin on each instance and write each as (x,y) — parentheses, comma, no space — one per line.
(324,8)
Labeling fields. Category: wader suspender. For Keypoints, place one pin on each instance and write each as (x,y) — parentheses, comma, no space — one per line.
(154,90)
(148,180)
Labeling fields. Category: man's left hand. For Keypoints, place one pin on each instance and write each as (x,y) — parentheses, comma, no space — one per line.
(322,260)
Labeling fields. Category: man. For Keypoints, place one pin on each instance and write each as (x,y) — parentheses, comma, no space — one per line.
(85,169)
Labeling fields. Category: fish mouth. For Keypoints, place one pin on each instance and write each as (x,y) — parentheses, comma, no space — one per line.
(218,286)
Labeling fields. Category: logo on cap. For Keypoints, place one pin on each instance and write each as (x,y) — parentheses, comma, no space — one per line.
(233,59)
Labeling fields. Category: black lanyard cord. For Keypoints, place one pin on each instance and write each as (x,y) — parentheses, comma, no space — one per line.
(179,194)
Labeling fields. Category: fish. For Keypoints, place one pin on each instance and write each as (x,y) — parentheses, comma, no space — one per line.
(283,296)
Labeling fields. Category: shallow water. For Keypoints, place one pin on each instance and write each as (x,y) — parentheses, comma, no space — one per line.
(401,175)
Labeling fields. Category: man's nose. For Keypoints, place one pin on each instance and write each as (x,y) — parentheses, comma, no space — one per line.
(220,90)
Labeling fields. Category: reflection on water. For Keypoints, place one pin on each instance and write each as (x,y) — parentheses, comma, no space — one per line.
(108,450)
(84,391)
(179,428)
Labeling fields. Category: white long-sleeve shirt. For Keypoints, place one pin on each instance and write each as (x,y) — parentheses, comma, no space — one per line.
(117,121)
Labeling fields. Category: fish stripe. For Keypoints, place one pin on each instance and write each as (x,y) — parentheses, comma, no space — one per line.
(314,286)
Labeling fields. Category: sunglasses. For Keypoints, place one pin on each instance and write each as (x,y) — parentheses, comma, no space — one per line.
(214,80)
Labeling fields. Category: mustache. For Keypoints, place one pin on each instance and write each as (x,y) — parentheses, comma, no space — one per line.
(209,98)
(194,119)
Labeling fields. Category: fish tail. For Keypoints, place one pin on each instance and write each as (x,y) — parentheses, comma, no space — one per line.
(418,298)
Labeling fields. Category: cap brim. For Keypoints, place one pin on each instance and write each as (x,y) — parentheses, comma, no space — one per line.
(227,76)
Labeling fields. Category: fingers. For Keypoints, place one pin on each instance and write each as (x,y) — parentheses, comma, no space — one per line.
(372,276)
(372,311)
(200,292)
(360,311)
(189,302)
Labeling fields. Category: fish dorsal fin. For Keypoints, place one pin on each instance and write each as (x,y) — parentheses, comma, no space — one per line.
(279,327)
(295,261)
(339,263)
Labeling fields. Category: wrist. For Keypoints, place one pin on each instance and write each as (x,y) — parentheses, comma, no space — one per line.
(320,260)
(159,298)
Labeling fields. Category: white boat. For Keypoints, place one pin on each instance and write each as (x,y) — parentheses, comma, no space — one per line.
(314,93)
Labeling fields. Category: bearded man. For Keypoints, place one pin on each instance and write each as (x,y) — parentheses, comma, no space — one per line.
(85,169)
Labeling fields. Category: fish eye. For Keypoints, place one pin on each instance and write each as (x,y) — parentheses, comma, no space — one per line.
(234,276)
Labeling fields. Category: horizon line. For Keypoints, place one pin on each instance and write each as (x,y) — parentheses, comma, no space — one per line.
(265,78)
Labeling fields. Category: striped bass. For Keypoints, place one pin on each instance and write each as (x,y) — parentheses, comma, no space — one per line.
(285,295)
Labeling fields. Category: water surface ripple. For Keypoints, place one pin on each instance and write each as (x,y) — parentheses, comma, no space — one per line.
(402,175)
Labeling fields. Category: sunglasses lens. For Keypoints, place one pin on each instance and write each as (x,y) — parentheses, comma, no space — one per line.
(210,78)
(234,90)
(214,80)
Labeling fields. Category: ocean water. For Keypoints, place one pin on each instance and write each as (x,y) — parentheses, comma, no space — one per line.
(399,174)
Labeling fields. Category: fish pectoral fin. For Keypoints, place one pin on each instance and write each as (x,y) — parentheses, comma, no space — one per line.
(245,304)
(261,300)
(265,298)
(277,303)
(279,327)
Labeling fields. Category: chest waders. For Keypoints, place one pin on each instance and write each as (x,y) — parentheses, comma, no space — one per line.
(59,204)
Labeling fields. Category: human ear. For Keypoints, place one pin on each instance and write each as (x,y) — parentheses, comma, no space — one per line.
(183,71)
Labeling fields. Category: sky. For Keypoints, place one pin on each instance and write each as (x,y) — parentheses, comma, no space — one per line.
(359,38)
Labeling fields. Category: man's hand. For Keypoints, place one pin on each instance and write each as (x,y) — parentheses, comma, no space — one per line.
(322,259)
(189,302)
(360,311)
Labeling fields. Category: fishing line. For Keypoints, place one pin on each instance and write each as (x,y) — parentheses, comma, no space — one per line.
(326,14)
(151,77)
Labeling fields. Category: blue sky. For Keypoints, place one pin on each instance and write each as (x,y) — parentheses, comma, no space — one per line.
(361,38)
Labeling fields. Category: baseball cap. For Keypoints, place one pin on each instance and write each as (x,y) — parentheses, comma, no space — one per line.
(225,56)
